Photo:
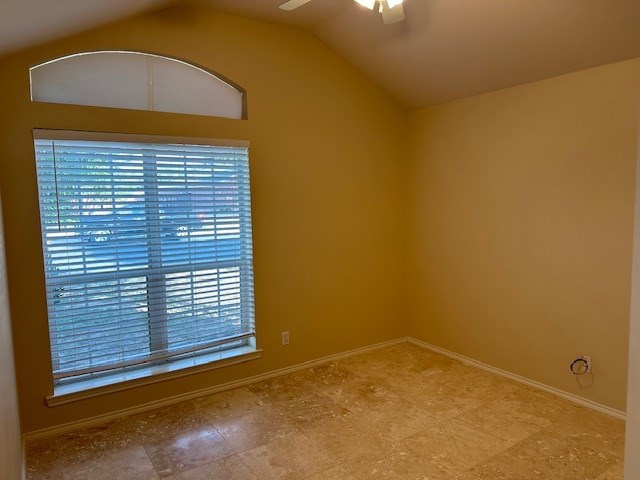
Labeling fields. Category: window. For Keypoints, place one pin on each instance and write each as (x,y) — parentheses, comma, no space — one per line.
(136,80)
(147,250)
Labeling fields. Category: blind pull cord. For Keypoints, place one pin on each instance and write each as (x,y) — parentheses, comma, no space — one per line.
(55,185)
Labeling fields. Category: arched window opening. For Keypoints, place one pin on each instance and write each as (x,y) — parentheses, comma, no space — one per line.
(138,81)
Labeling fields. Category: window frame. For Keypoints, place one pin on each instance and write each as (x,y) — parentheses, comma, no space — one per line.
(129,377)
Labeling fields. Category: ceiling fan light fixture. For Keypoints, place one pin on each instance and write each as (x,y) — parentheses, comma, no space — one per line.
(391,10)
(394,3)
(390,14)
(367,3)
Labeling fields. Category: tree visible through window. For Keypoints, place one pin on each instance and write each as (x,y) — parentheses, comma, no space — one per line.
(147,249)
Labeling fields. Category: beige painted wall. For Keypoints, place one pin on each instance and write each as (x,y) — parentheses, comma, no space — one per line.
(10,438)
(327,171)
(520,226)
(632,438)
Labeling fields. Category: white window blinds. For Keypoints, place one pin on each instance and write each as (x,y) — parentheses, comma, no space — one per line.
(147,250)
(135,80)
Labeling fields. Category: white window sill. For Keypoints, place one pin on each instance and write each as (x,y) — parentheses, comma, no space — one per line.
(73,392)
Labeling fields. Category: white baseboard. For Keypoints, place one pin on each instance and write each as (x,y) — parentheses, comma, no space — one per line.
(98,419)
(532,383)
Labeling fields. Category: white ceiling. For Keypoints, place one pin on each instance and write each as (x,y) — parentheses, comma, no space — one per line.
(24,23)
(445,49)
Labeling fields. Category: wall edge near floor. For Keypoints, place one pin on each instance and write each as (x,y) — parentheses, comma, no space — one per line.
(98,419)
(524,380)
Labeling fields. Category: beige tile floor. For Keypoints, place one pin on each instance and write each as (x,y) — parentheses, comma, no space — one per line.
(400,412)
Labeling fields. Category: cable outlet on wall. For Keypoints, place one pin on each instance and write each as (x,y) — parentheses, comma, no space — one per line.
(285,337)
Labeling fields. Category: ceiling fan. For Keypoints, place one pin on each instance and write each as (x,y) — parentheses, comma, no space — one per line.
(391,10)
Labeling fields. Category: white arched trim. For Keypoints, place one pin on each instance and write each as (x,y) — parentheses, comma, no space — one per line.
(136,80)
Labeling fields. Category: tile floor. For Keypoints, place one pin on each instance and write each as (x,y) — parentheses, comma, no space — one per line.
(400,412)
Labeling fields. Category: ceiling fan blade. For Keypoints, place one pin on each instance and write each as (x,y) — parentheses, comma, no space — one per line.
(391,15)
(293,4)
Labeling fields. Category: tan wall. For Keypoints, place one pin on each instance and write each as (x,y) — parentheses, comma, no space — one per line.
(632,438)
(520,226)
(10,438)
(327,171)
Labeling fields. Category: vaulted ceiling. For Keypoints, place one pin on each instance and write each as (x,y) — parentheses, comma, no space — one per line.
(445,49)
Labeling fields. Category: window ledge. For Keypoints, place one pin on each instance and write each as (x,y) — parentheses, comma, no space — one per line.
(116,382)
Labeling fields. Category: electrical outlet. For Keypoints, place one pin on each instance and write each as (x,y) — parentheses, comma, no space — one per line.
(285,338)
(587,359)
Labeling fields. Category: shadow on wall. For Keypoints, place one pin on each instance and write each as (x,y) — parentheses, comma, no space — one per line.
(10,437)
